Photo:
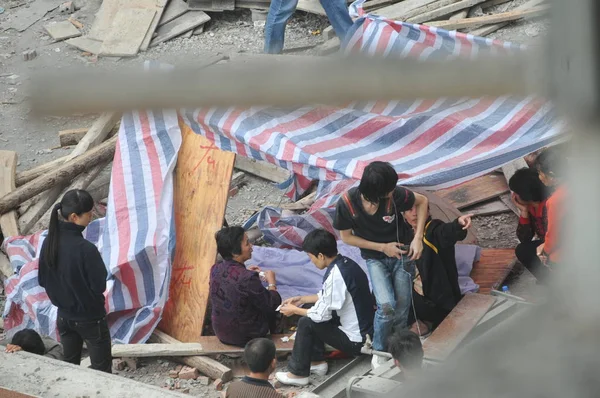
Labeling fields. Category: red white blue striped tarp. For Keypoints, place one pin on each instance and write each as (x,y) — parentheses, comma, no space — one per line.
(430,143)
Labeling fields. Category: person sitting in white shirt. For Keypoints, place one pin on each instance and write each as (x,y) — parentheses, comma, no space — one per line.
(342,314)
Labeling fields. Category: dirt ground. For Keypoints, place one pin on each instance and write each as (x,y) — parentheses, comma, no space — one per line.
(36,140)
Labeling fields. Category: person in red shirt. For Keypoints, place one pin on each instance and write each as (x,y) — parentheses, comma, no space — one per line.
(548,166)
(529,195)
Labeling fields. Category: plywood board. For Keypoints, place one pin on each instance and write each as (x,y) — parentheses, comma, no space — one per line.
(457,325)
(160,9)
(128,31)
(174,9)
(85,44)
(493,267)
(8,164)
(62,30)
(201,188)
(475,191)
(399,10)
(441,209)
(486,30)
(186,22)
(487,208)
(260,169)
(490,19)
(105,16)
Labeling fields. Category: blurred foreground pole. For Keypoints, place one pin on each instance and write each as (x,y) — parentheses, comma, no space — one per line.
(552,350)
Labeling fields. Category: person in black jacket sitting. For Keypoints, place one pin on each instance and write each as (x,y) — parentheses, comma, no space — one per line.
(435,289)
(74,276)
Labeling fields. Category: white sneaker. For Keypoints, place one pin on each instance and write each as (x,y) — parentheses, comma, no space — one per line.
(283,378)
(377,361)
(319,370)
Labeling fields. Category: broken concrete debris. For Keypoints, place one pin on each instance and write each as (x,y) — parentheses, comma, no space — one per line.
(29,55)
(62,30)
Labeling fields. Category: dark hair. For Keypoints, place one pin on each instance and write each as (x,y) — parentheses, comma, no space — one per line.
(320,241)
(76,201)
(229,241)
(406,348)
(258,354)
(549,162)
(527,184)
(29,340)
(378,180)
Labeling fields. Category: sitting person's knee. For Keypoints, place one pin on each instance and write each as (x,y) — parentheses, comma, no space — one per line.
(305,322)
(387,310)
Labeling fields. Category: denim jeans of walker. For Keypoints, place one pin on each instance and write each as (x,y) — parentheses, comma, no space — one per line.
(280,12)
(391,279)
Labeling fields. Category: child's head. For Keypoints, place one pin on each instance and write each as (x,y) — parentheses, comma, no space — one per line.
(259,355)
(378,181)
(527,186)
(548,164)
(321,247)
(411,216)
(407,350)
(29,340)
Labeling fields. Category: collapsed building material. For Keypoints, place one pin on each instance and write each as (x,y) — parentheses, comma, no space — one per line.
(62,30)
(6,270)
(260,169)
(475,191)
(96,134)
(157,350)
(490,19)
(30,175)
(427,8)
(201,188)
(188,21)
(64,173)
(487,208)
(86,44)
(125,38)
(71,136)
(442,11)
(486,30)
(212,5)
(174,9)
(8,164)
(205,365)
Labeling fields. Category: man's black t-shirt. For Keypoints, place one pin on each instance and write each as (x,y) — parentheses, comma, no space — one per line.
(385,226)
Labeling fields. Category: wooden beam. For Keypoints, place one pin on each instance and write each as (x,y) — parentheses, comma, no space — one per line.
(157,350)
(71,137)
(96,134)
(44,203)
(375,4)
(8,164)
(487,208)
(475,191)
(403,8)
(490,19)
(459,15)
(64,173)
(303,204)
(486,30)
(30,175)
(426,8)
(208,366)
(440,12)
(261,169)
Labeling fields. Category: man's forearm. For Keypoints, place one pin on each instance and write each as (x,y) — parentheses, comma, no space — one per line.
(422,204)
(301,311)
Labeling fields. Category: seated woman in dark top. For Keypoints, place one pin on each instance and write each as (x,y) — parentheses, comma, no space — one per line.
(242,309)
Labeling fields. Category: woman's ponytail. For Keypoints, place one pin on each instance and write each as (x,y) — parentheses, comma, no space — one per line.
(50,251)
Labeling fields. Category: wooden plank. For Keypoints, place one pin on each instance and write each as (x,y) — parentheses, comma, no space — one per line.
(376,4)
(174,9)
(487,208)
(103,23)
(201,189)
(8,164)
(160,9)
(62,30)
(128,31)
(459,15)
(59,175)
(211,5)
(441,11)
(401,9)
(6,270)
(96,134)
(457,325)
(490,19)
(493,267)
(261,169)
(85,44)
(208,366)
(486,30)
(303,204)
(178,26)
(156,350)
(474,191)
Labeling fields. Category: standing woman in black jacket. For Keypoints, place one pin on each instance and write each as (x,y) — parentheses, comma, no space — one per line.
(74,276)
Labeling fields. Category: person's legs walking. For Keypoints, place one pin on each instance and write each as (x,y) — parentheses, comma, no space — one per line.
(403,274)
(381,280)
(280,12)
(339,16)
(97,338)
(71,341)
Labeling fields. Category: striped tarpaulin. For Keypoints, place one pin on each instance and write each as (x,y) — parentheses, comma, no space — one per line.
(431,143)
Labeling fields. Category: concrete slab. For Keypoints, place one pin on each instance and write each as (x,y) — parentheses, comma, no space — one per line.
(45,377)
(85,44)
(62,30)
(178,26)
(128,32)
(174,9)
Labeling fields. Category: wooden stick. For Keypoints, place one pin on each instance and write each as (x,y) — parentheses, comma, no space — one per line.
(8,165)
(440,12)
(71,137)
(490,19)
(208,366)
(303,204)
(30,175)
(327,80)
(486,30)
(62,174)
(37,210)
(157,350)
(96,134)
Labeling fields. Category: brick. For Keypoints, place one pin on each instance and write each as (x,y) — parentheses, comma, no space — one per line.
(218,385)
(118,364)
(188,373)
(67,7)
(178,368)
(173,374)
(131,363)
(204,380)
(29,55)
(233,192)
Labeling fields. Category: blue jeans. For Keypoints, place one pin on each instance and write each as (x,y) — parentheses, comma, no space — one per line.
(392,285)
(281,11)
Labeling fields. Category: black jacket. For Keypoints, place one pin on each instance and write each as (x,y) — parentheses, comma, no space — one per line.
(439,275)
(77,284)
